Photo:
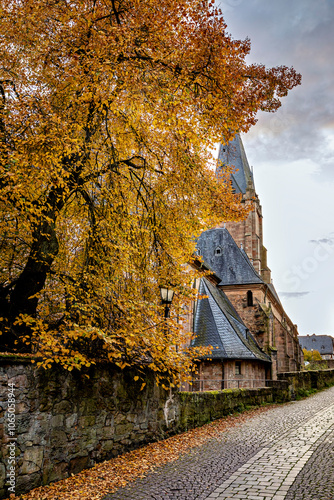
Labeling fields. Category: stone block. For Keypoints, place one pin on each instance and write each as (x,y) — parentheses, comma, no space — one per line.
(22,407)
(57,421)
(107,445)
(58,438)
(23,423)
(86,421)
(123,429)
(25,483)
(131,417)
(63,407)
(101,418)
(32,460)
(120,419)
(78,464)
(106,432)
(71,421)
(89,406)
(20,382)
(54,471)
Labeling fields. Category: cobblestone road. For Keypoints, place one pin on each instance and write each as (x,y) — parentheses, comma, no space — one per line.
(283,454)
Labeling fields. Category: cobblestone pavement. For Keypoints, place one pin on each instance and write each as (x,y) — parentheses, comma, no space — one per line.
(283,454)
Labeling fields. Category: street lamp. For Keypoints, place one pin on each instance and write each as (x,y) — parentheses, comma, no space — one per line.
(166,299)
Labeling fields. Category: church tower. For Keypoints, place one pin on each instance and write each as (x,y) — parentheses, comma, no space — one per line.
(247,233)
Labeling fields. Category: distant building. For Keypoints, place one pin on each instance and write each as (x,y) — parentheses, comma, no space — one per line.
(322,343)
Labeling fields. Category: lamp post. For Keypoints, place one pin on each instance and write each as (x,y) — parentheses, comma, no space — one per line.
(166,299)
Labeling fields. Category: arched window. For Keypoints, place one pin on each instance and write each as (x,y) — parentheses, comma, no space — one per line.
(249,298)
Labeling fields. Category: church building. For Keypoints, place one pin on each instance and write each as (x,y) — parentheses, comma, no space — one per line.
(243,292)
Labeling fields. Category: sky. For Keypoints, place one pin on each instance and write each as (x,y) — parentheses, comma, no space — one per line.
(292,151)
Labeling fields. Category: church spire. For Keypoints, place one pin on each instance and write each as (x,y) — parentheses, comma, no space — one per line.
(248,232)
(233,153)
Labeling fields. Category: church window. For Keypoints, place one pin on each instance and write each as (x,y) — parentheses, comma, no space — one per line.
(250,298)
(238,367)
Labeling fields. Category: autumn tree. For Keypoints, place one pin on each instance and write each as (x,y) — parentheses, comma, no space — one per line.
(312,355)
(108,110)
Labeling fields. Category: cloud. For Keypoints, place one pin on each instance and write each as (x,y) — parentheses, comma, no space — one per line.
(300,34)
(327,241)
(293,295)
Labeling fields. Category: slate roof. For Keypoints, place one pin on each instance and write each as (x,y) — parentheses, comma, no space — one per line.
(217,323)
(321,343)
(233,153)
(226,259)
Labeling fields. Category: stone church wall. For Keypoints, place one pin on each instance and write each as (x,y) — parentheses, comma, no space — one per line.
(268,326)
(252,316)
(217,375)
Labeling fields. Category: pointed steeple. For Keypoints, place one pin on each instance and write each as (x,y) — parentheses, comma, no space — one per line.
(233,153)
(248,232)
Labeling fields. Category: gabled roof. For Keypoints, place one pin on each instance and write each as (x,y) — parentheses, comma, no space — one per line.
(218,324)
(233,153)
(226,259)
(321,343)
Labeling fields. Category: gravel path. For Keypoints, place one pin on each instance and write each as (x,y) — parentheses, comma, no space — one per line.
(283,454)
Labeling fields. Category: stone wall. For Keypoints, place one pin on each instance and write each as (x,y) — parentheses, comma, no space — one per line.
(66,422)
(199,408)
(323,364)
(210,376)
(300,383)
(253,316)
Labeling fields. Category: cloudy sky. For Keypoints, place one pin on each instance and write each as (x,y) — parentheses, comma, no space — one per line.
(292,152)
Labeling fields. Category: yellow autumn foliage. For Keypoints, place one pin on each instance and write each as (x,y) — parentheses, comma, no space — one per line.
(108,109)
